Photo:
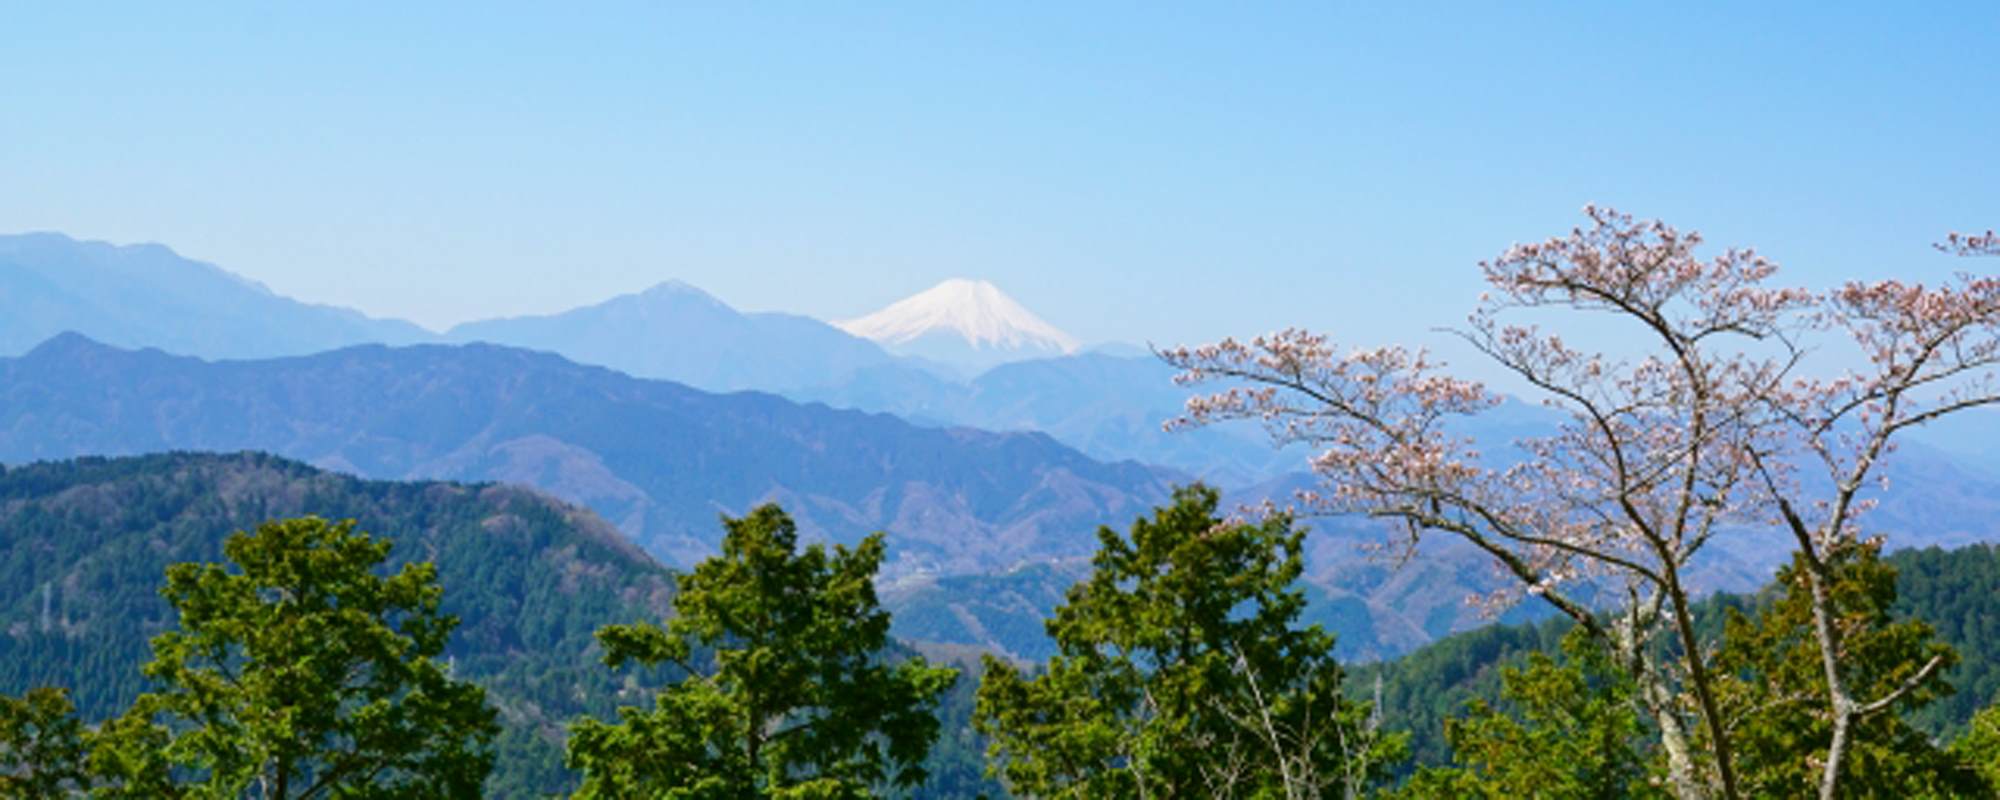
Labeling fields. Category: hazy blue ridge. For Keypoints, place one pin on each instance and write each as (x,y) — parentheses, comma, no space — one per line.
(148,296)
(677,332)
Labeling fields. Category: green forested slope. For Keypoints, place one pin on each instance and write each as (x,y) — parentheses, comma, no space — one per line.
(1957,591)
(84,543)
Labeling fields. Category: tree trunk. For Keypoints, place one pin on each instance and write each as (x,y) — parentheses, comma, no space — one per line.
(1659,704)
(1725,767)
(1655,700)
(1836,690)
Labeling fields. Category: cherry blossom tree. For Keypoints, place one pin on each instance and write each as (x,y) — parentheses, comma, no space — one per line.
(1705,424)
(1971,244)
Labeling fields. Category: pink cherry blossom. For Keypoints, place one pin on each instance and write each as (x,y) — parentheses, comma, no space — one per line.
(1713,427)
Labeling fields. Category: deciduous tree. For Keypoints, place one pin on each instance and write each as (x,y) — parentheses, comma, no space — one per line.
(1700,423)
(1971,244)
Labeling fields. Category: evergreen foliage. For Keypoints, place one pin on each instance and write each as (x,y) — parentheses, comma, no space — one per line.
(956,765)
(1954,591)
(791,696)
(1563,723)
(1419,691)
(1168,653)
(1979,748)
(1563,731)
(297,672)
(1771,671)
(1182,672)
(84,545)
(42,748)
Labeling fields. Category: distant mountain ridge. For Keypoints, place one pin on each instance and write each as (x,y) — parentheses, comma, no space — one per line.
(659,459)
(146,295)
(1110,406)
(1384,603)
(662,460)
(674,331)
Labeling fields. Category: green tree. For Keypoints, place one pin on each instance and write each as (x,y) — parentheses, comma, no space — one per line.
(1979,748)
(1182,672)
(1566,730)
(1772,687)
(42,751)
(301,674)
(788,691)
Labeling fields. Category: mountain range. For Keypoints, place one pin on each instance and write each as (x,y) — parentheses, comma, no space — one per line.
(1033,378)
(973,517)
(990,486)
(659,459)
(1110,406)
(1381,605)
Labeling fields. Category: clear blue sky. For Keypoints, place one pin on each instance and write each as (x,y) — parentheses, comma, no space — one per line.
(1131,172)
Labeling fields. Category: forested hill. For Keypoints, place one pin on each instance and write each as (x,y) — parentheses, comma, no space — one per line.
(84,544)
(1956,591)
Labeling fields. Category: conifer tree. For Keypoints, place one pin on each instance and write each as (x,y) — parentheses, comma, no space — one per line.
(789,690)
(1565,729)
(42,750)
(1979,748)
(297,672)
(1772,674)
(1183,672)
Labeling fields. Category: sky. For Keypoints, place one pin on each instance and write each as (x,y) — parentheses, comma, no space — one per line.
(1132,172)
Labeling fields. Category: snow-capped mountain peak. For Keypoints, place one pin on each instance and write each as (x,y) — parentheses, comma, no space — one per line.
(973,311)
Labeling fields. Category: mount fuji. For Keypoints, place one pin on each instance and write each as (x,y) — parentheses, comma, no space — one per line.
(968,324)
